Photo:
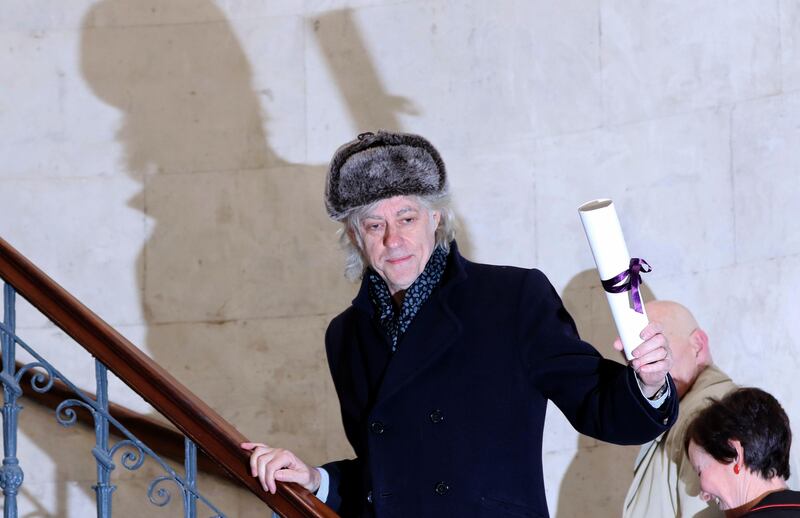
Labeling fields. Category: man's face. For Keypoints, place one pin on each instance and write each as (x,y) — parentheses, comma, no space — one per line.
(399,237)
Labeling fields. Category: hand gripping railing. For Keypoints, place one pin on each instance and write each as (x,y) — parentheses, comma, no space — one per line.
(197,421)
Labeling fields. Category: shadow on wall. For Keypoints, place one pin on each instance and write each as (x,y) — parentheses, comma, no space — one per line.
(597,479)
(229,259)
(369,105)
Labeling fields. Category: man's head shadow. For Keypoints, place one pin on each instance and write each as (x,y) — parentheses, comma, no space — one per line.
(184,89)
(597,479)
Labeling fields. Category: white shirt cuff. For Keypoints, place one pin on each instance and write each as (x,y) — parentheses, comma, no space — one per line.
(324,485)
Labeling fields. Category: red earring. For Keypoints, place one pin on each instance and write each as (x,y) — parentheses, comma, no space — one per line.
(736,468)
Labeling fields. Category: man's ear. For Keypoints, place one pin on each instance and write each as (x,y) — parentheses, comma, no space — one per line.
(351,235)
(437,218)
(698,340)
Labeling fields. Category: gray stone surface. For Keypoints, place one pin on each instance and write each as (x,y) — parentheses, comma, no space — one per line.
(164,162)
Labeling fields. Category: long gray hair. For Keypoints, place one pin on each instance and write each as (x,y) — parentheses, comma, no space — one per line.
(353,244)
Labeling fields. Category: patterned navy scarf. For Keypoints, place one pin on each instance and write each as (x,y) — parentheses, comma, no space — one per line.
(394,323)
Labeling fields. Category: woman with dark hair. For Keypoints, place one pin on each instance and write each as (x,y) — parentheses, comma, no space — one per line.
(739,446)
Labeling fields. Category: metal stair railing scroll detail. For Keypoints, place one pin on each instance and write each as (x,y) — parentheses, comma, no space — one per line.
(133,451)
(201,425)
(164,439)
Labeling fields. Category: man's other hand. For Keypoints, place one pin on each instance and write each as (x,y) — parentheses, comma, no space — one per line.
(652,359)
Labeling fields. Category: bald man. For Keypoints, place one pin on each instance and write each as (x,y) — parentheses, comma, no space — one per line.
(664,482)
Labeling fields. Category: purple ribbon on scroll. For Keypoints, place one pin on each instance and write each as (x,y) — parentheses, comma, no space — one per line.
(629,280)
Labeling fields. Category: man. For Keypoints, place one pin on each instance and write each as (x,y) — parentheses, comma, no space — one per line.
(443,367)
(664,482)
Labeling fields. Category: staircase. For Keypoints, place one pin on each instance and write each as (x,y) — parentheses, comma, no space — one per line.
(202,428)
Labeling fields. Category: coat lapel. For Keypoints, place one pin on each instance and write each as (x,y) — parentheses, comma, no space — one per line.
(433,330)
(370,354)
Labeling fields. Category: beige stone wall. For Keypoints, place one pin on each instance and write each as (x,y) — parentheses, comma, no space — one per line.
(164,161)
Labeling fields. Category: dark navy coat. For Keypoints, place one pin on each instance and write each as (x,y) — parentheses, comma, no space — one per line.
(451,424)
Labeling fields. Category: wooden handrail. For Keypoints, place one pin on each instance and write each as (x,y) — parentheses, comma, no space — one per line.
(195,419)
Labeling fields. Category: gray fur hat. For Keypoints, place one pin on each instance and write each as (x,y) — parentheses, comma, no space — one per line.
(380,165)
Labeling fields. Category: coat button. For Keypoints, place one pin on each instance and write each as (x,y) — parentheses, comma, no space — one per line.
(369,497)
(666,420)
(441,488)
(377,427)
(437,416)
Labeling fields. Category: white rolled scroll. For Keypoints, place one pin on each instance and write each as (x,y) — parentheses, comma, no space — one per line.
(611,256)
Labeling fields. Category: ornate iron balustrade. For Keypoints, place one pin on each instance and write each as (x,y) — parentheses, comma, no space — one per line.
(200,425)
(132,451)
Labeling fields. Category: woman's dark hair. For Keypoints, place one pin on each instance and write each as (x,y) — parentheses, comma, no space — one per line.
(756,420)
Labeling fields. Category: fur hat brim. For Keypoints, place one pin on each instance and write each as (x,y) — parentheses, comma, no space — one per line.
(381,165)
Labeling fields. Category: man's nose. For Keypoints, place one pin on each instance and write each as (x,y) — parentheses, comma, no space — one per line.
(391,238)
